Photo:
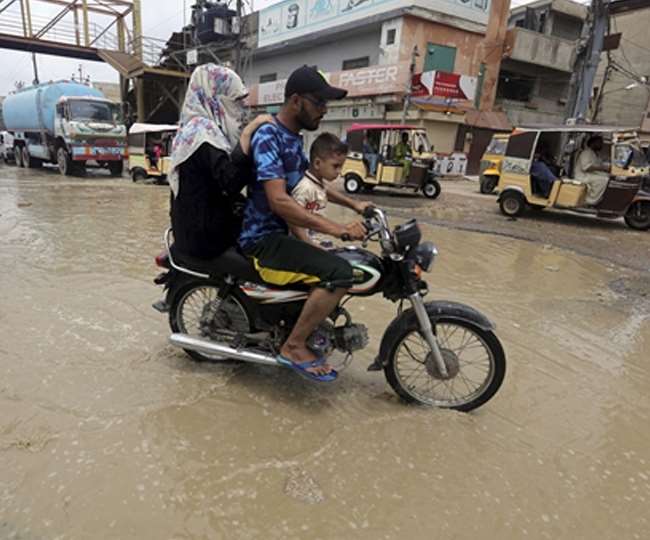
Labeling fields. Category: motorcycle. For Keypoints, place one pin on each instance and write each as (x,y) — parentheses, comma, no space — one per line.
(436,353)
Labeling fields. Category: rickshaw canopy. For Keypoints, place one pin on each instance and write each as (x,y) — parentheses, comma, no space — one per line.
(138,128)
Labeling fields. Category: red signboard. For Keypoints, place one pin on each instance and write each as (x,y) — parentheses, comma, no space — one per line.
(443,84)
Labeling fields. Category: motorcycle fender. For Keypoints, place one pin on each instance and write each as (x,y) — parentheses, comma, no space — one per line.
(436,310)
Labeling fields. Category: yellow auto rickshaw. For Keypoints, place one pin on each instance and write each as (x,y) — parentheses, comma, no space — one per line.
(398,156)
(541,169)
(150,150)
(490,167)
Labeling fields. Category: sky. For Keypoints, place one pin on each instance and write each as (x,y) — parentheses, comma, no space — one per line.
(160,18)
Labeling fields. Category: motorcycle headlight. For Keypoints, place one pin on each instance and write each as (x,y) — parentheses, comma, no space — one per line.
(424,255)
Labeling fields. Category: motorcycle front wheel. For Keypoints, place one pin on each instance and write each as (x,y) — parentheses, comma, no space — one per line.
(474,358)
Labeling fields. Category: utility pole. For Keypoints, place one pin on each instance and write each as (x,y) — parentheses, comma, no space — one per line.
(407,96)
(36,80)
(238,46)
(492,54)
(587,60)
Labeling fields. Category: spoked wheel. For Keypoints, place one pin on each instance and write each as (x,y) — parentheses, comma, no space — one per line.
(474,359)
(638,216)
(198,311)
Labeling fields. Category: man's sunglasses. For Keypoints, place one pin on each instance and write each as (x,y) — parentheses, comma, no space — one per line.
(318,102)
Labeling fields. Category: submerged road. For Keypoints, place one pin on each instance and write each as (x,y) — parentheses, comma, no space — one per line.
(108,432)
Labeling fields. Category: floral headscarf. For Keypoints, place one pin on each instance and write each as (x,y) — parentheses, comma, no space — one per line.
(211,114)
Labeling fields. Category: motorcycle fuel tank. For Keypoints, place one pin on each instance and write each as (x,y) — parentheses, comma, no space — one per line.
(367,267)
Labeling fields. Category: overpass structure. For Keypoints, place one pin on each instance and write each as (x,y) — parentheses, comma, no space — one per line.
(98,30)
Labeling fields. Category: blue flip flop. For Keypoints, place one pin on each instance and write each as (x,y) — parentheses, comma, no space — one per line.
(301,369)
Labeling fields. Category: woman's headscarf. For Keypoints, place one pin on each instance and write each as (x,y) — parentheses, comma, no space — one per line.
(211,114)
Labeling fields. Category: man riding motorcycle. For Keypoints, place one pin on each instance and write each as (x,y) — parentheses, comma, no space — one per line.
(279,258)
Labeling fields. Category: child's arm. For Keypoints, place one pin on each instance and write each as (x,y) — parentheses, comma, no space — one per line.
(335,196)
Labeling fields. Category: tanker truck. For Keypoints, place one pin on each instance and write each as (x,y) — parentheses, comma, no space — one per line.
(66,123)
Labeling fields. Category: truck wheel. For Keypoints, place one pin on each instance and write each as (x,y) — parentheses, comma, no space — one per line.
(64,161)
(18,156)
(30,162)
(116,167)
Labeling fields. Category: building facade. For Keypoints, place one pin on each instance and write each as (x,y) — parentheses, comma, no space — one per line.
(372,48)
(539,59)
(626,93)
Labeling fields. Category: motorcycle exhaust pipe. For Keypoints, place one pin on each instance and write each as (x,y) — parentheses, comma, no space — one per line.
(205,346)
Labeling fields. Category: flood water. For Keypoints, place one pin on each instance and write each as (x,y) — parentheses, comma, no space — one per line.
(106,431)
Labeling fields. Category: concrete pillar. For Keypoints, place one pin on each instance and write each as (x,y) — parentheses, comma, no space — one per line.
(84,13)
(121,35)
(137,29)
(139,95)
(76,27)
(493,51)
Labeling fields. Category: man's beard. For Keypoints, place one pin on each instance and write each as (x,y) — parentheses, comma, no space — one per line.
(307,122)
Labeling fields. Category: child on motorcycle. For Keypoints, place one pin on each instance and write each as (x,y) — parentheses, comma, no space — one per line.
(326,157)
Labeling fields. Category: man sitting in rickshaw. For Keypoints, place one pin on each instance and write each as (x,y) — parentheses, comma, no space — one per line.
(403,153)
(540,170)
(592,171)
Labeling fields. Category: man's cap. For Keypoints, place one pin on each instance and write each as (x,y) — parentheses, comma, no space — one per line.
(308,80)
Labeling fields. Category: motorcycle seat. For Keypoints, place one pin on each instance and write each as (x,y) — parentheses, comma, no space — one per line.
(230,262)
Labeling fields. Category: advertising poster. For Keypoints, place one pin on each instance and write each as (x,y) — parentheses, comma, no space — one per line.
(294,18)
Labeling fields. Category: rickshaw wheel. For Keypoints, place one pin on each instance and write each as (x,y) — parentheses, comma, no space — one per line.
(512,203)
(431,189)
(638,216)
(352,183)
(139,174)
(488,183)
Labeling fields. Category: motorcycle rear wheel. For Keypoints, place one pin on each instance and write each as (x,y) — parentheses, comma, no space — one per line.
(190,305)
(474,358)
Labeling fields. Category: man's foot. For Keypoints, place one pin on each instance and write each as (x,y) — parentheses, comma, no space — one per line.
(301,355)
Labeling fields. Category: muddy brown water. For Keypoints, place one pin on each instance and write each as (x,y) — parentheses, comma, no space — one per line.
(108,432)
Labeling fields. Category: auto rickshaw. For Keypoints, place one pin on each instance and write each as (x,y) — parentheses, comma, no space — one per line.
(143,162)
(373,161)
(626,194)
(490,167)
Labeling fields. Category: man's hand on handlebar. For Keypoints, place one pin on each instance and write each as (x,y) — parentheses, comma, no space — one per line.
(353,231)
(360,206)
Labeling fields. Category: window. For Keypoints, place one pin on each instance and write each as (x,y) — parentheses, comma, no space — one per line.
(269,77)
(515,86)
(356,63)
(390,36)
(440,58)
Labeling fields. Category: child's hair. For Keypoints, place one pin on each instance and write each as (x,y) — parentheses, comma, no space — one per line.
(327,145)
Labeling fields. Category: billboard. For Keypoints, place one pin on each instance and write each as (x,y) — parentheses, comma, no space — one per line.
(451,86)
(370,81)
(294,18)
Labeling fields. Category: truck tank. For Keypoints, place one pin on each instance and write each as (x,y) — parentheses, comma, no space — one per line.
(32,109)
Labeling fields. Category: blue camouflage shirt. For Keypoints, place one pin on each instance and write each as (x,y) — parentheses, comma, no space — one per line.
(277,153)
